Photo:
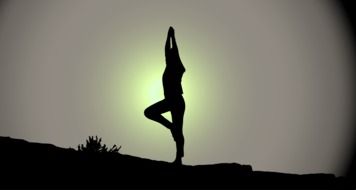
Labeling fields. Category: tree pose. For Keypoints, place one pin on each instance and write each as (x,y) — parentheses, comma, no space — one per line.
(173,100)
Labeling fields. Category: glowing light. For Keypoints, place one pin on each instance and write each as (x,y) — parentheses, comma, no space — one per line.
(135,82)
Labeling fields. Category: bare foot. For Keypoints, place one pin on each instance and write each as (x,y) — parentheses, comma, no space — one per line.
(178,161)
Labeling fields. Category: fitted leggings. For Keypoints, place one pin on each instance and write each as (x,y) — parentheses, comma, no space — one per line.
(176,106)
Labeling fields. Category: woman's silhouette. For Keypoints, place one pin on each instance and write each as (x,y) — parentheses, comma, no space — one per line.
(173,100)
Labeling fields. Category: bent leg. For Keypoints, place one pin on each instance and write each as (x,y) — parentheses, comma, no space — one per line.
(154,113)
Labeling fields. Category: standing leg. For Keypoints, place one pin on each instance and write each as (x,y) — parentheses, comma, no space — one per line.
(178,108)
(154,113)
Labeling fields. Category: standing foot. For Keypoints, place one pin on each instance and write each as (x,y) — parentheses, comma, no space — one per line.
(178,161)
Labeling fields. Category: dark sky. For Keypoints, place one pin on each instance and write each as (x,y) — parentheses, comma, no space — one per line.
(268,83)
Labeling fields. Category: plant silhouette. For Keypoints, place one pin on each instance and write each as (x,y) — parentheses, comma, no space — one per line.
(173,100)
(94,145)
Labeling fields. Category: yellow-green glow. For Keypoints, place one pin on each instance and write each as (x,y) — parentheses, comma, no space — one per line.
(135,82)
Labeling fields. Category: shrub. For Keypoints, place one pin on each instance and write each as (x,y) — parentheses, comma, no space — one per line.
(94,145)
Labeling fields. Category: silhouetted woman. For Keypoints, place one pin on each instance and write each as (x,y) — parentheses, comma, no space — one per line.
(173,100)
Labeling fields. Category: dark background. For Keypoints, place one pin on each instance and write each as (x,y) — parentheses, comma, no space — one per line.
(349,8)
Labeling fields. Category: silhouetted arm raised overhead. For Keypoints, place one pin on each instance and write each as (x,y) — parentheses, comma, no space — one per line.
(174,43)
(170,36)
(168,41)
(172,55)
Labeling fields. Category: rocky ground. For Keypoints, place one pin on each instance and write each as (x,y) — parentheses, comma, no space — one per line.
(36,165)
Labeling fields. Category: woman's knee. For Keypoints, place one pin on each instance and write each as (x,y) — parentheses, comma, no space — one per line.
(148,113)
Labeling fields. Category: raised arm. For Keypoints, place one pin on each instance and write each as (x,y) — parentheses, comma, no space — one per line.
(174,43)
(168,41)
(172,55)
